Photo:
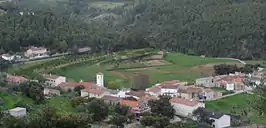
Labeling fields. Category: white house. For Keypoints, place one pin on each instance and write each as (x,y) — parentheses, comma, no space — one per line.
(185,107)
(169,88)
(220,120)
(53,80)
(36,52)
(230,86)
(208,94)
(97,93)
(8,57)
(18,112)
(47,91)
(206,81)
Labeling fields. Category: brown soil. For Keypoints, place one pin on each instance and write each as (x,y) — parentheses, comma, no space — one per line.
(121,75)
(156,62)
(136,69)
(208,70)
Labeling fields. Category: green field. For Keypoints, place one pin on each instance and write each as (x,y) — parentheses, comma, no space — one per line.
(179,66)
(12,100)
(240,102)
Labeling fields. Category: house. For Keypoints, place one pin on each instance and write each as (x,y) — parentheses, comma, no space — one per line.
(18,112)
(219,120)
(136,94)
(208,94)
(53,80)
(169,88)
(16,79)
(108,99)
(190,92)
(93,92)
(8,57)
(36,52)
(231,83)
(49,92)
(133,105)
(84,50)
(68,86)
(185,107)
(138,106)
(206,82)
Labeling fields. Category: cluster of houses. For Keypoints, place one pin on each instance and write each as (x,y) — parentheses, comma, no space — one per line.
(185,98)
(35,53)
(31,53)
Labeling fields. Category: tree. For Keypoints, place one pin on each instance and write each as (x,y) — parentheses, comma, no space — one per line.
(118,120)
(98,109)
(121,110)
(155,121)
(162,107)
(33,90)
(76,101)
(140,81)
(78,88)
(181,125)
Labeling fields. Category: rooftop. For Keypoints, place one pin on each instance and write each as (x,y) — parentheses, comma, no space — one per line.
(17,109)
(74,84)
(16,79)
(97,91)
(37,48)
(184,102)
(129,103)
(137,93)
(50,76)
(110,98)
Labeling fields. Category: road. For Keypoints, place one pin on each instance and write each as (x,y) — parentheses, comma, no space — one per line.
(241,61)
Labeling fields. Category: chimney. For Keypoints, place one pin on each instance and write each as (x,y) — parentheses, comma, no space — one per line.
(213,113)
(50,74)
(81,81)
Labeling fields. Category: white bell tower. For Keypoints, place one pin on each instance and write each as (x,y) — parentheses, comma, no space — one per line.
(99,79)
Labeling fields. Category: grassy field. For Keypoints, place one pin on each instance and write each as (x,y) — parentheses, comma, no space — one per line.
(12,100)
(239,101)
(179,66)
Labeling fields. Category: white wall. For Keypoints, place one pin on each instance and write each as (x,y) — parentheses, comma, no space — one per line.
(185,111)
(222,122)
(18,113)
(230,86)
(84,94)
(209,95)
(171,92)
(59,80)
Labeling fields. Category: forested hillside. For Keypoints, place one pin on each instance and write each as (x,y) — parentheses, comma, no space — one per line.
(225,28)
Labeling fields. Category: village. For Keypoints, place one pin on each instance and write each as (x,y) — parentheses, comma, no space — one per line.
(185,98)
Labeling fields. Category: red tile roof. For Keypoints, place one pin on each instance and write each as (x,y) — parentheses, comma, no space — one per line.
(137,93)
(154,89)
(16,79)
(129,103)
(169,86)
(110,98)
(74,84)
(97,91)
(50,76)
(171,82)
(208,90)
(193,89)
(184,102)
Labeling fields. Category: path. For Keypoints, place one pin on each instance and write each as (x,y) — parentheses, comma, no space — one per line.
(229,95)
(241,61)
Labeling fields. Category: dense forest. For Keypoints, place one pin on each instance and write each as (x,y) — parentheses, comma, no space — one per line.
(224,28)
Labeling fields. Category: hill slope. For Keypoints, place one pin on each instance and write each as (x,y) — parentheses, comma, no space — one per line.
(227,28)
